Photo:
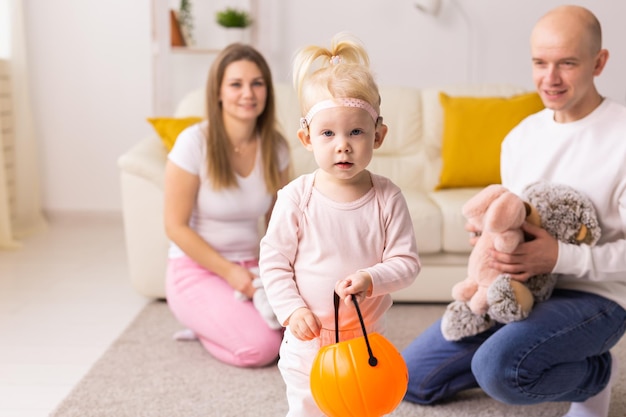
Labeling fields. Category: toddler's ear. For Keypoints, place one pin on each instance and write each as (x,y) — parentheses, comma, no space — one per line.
(305,139)
(381,132)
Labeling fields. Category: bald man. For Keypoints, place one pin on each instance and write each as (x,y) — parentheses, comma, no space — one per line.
(561,352)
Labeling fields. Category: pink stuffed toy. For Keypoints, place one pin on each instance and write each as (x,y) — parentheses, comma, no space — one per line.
(485,296)
(498,214)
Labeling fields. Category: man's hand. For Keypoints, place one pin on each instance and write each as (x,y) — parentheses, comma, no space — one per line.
(537,256)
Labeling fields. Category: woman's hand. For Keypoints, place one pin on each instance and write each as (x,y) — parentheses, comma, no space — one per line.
(304,325)
(356,285)
(240,279)
(537,256)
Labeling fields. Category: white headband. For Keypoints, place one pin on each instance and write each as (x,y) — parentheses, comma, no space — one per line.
(338,102)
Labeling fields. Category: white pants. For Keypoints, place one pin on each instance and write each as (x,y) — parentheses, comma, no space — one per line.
(296,360)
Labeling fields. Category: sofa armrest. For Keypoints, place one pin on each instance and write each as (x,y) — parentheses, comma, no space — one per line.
(142,173)
(146,160)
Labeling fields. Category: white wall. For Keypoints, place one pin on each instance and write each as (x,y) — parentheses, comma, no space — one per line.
(90,69)
(408,47)
(92,74)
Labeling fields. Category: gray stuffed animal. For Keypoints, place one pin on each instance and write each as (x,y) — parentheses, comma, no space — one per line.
(567,215)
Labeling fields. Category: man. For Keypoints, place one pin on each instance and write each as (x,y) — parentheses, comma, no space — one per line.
(561,351)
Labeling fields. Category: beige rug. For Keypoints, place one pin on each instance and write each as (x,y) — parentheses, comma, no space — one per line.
(146,374)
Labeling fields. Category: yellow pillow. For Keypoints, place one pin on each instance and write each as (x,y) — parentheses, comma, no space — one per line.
(473,130)
(169,128)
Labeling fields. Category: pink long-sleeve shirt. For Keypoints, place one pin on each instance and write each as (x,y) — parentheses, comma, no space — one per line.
(312,242)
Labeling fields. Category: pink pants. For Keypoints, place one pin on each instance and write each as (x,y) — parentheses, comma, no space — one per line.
(230,329)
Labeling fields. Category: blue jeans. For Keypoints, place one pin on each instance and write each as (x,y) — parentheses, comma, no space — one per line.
(559,353)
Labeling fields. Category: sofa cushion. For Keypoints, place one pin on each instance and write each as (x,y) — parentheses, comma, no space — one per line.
(473,129)
(193,104)
(401,157)
(432,122)
(168,128)
(450,203)
(427,221)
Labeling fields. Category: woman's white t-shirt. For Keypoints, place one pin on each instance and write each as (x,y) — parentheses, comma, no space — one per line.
(227,219)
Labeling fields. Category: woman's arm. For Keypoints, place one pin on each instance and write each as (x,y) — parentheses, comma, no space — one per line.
(181,190)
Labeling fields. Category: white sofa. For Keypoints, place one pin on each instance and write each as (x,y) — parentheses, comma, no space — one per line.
(410,156)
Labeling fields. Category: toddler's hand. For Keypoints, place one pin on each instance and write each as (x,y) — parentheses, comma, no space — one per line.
(304,325)
(356,285)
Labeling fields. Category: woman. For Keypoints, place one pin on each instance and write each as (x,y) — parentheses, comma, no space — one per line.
(221,177)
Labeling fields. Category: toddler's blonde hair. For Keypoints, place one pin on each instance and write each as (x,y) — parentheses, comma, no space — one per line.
(339,72)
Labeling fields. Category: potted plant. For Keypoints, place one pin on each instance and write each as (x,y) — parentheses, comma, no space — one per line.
(236,25)
(185,20)
(233,18)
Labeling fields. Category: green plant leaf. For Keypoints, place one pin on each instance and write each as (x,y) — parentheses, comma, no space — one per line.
(233,18)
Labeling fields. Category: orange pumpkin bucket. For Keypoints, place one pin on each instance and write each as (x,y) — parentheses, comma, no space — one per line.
(362,377)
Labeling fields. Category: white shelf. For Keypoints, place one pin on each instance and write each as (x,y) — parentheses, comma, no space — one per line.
(193,50)
(176,69)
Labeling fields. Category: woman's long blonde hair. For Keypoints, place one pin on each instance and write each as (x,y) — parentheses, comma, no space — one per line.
(339,72)
(220,171)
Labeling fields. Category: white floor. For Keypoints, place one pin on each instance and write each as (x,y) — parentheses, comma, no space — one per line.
(64,297)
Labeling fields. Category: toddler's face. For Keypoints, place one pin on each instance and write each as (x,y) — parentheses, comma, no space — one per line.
(342,140)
